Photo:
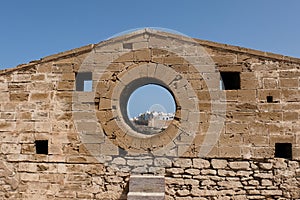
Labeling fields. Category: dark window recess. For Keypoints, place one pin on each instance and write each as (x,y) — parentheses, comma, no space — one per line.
(84,81)
(127,45)
(41,146)
(269,99)
(283,150)
(230,80)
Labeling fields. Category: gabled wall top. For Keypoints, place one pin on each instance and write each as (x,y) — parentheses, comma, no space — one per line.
(204,43)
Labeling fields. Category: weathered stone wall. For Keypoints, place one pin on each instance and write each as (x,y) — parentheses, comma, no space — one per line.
(233,179)
(37,103)
(186,178)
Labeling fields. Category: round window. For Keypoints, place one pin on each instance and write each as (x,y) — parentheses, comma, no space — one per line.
(150,108)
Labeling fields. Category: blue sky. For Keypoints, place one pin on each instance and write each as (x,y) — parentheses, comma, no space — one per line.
(33,29)
(150,98)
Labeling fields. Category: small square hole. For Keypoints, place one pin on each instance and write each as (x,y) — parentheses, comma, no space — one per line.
(41,147)
(283,150)
(127,45)
(84,81)
(230,80)
(269,99)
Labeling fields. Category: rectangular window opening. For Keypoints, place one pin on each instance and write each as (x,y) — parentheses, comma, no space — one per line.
(283,150)
(41,147)
(269,99)
(84,81)
(127,45)
(230,81)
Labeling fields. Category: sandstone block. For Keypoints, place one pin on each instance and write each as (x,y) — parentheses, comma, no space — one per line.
(230,152)
(222,172)
(271,192)
(288,82)
(266,166)
(162,162)
(142,162)
(242,165)
(192,171)
(230,184)
(184,163)
(66,85)
(39,96)
(175,170)
(270,83)
(147,184)
(142,55)
(200,163)
(266,182)
(246,96)
(20,97)
(219,163)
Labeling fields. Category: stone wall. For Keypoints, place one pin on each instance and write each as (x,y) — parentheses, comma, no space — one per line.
(92,152)
(185,178)
(233,179)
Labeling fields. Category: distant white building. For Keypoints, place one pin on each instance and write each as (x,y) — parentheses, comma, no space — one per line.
(154,119)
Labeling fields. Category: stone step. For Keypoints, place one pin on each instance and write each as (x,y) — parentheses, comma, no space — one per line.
(144,187)
(145,196)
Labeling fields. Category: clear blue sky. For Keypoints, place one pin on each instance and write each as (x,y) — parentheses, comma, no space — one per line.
(32,29)
(146,98)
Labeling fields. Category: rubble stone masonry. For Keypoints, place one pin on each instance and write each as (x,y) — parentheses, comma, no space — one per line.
(256,154)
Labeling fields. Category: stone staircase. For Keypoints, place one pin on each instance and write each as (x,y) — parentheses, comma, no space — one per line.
(146,187)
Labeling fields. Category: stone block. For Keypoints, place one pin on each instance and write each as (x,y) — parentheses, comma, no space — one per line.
(183,162)
(271,192)
(288,83)
(142,55)
(230,184)
(270,83)
(290,116)
(240,165)
(69,76)
(153,183)
(230,140)
(109,148)
(38,77)
(244,116)
(65,86)
(262,152)
(266,166)
(256,140)
(19,97)
(219,163)
(290,95)
(248,80)
(230,152)
(162,162)
(281,139)
(270,116)
(175,170)
(140,162)
(236,128)
(42,97)
(29,177)
(246,96)
(200,163)
(7,148)
(224,59)
(231,95)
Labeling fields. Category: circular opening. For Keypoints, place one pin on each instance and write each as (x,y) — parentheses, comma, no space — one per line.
(150,107)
